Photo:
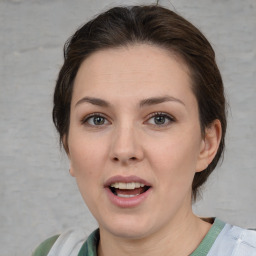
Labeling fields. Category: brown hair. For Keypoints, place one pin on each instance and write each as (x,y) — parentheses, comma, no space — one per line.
(153,24)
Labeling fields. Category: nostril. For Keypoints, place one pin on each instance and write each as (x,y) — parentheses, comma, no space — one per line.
(116,159)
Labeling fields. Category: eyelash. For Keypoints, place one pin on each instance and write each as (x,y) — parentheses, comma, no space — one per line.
(91,116)
(85,120)
(161,114)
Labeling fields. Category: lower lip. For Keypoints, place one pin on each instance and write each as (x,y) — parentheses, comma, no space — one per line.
(127,202)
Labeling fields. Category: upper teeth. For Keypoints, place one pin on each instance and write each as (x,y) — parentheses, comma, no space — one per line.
(130,185)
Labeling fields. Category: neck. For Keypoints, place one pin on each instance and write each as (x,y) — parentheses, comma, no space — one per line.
(180,238)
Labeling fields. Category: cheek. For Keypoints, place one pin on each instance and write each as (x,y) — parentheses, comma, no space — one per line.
(86,159)
(86,155)
(175,159)
(177,151)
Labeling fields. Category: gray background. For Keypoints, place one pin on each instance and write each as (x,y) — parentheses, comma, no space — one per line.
(38,197)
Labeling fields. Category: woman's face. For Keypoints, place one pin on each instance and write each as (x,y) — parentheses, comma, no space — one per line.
(134,140)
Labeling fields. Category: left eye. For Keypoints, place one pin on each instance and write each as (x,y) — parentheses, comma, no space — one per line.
(160,119)
(96,120)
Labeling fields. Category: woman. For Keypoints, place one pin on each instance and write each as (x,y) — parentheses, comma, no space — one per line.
(140,109)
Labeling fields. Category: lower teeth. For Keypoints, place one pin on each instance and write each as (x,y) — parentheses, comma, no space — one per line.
(115,192)
(126,196)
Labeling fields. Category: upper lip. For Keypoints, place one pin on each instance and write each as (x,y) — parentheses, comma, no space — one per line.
(125,179)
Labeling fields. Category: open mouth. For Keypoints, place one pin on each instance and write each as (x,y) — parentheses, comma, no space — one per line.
(128,190)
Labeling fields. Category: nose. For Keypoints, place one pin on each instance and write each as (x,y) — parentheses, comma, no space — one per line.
(126,146)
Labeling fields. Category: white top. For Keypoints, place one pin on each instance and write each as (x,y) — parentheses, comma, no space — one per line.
(234,241)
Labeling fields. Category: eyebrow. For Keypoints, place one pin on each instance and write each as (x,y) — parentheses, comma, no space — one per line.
(145,102)
(94,101)
(158,100)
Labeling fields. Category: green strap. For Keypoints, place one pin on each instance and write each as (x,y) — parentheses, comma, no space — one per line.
(89,248)
(205,246)
(44,248)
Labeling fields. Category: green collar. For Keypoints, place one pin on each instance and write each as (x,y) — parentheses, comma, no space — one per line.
(206,244)
(89,248)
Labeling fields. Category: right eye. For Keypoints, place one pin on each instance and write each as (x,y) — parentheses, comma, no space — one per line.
(95,120)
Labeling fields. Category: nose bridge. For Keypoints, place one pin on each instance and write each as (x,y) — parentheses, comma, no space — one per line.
(126,145)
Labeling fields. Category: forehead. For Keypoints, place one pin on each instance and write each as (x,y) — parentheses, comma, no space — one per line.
(133,70)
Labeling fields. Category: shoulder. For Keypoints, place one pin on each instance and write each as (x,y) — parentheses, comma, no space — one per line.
(235,241)
(67,243)
(240,235)
(44,248)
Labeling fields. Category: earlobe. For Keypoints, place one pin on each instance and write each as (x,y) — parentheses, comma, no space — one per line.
(209,145)
(71,171)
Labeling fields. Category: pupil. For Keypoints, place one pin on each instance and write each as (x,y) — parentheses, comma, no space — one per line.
(159,119)
(98,120)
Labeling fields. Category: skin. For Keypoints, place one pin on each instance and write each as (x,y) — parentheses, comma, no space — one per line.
(128,141)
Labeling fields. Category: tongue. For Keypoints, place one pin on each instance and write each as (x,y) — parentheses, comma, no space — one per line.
(135,191)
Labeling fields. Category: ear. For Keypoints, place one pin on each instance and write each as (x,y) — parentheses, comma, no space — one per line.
(65,145)
(209,145)
(71,171)
(64,141)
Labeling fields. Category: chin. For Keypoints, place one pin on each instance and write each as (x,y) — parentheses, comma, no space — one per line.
(128,228)
(129,233)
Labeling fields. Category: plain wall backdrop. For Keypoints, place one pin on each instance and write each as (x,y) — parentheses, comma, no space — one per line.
(38,198)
